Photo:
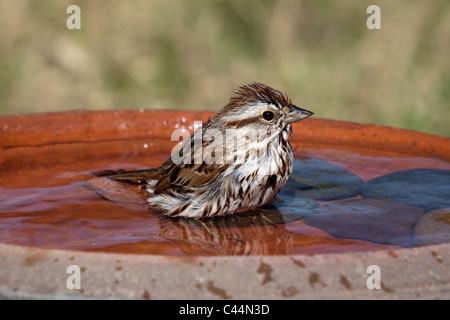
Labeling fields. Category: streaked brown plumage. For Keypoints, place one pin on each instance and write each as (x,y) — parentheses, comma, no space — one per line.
(216,179)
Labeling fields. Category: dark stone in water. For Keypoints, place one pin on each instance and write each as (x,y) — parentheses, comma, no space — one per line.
(117,191)
(433,227)
(317,179)
(367,219)
(292,208)
(426,188)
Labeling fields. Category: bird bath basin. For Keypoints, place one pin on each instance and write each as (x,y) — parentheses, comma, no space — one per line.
(359,196)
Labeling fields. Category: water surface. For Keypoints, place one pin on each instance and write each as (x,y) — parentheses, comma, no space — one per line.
(338,199)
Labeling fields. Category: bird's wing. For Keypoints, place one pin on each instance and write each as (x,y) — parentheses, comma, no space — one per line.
(183,175)
(189,175)
(196,174)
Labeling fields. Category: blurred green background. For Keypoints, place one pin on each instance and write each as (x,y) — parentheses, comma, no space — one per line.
(192,54)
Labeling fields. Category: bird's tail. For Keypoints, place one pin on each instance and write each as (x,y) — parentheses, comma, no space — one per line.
(131,176)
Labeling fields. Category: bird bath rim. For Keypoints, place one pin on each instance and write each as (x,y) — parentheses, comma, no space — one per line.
(405,271)
(83,126)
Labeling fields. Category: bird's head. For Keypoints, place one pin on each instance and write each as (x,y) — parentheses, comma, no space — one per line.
(257,106)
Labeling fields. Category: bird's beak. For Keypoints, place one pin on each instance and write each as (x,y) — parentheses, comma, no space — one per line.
(297,114)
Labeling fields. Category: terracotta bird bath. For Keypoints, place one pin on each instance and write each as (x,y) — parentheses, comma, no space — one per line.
(366,214)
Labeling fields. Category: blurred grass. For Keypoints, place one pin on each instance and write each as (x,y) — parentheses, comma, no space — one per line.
(178,54)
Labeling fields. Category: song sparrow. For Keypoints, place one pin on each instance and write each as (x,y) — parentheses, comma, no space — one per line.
(209,178)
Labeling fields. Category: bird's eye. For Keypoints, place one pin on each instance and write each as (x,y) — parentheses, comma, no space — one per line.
(268,115)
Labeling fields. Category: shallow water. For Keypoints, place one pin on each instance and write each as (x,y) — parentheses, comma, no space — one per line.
(337,200)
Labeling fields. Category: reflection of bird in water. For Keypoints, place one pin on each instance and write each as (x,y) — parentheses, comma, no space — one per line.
(262,234)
